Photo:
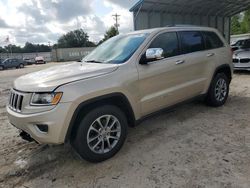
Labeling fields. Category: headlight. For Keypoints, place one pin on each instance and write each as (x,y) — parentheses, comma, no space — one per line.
(41,99)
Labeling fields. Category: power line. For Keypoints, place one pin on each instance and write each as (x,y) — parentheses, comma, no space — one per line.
(116,18)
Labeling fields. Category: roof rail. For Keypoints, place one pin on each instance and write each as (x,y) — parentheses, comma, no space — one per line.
(183,25)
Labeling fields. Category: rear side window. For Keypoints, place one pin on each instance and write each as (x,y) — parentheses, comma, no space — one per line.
(191,41)
(168,42)
(212,40)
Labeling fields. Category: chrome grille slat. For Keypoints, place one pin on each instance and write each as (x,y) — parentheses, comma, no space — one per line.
(20,103)
(11,95)
(15,101)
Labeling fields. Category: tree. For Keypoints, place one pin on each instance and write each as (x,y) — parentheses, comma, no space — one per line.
(2,50)
(240,23)
(76,38)
(235,25)
(28,48)
(111,32)
(245,24)
(13,48)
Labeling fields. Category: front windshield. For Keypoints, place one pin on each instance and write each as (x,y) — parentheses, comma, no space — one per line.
(246,44)
(117,49)
(6,60)
(239,43)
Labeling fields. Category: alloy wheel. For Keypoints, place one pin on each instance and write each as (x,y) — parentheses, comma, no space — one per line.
(221,89)
(104,134)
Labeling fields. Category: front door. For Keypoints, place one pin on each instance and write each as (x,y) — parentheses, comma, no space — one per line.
(170,80)
(8,63)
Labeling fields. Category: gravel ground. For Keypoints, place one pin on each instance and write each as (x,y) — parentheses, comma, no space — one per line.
(191,146)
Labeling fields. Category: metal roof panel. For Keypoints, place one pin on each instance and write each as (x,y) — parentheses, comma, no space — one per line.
(199,7)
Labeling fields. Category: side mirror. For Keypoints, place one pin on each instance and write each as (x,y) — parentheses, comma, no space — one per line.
(152,54)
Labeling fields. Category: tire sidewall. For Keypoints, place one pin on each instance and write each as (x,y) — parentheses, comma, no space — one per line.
(80,142)
(211,95)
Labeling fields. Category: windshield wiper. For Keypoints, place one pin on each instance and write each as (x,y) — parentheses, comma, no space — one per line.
(93,61)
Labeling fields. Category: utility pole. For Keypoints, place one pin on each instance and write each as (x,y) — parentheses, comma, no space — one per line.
(116,18)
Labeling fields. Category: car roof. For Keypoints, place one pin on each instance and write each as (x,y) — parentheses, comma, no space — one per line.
(174,28)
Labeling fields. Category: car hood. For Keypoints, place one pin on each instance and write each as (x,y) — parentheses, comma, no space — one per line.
(49,79)
(243,53)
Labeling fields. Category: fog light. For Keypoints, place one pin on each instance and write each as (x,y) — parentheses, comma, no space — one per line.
(43,128)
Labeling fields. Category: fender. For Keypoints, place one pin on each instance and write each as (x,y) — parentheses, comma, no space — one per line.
(223,67)
(117,99)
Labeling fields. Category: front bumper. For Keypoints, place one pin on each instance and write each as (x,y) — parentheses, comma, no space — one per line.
(57,120)
(242,66)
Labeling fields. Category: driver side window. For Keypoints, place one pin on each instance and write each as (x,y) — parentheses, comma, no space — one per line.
(168,42)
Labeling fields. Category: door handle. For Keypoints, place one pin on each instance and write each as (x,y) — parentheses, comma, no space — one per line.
(179,62)
(210,54)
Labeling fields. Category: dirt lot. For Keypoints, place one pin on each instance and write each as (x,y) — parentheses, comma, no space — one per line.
(191,146)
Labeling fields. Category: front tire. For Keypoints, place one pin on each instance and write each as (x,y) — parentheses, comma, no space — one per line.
(218,91)
(101,133)
(1,67)
(21,66)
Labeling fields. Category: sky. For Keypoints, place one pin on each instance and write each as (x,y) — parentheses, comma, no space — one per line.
(44,21)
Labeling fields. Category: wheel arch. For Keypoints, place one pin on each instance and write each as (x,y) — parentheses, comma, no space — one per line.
(117,99)
(226,69)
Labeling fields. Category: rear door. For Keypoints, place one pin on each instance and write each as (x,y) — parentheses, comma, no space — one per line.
(216,53)
(197,63)
(14,63)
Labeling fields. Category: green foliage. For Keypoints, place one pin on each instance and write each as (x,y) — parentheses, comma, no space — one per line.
(235,25)
(111,32)
(2,50)
(28,48)
(240,26)
(76,38)
(245,25)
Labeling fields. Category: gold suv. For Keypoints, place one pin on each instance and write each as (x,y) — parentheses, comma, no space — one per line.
(90,104)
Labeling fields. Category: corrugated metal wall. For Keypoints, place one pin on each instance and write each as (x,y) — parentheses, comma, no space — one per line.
(70,54)
(145,20)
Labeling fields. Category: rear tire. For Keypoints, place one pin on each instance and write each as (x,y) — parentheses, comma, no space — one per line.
(1,67)
(101,133)
(218,91)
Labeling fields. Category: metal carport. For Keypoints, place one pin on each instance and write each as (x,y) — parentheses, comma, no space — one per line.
(212,13)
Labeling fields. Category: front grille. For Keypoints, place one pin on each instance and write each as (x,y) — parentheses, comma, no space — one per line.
(15,101)
(235,60)
(246,60)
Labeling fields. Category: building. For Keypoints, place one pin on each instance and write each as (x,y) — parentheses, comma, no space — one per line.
(212,13)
